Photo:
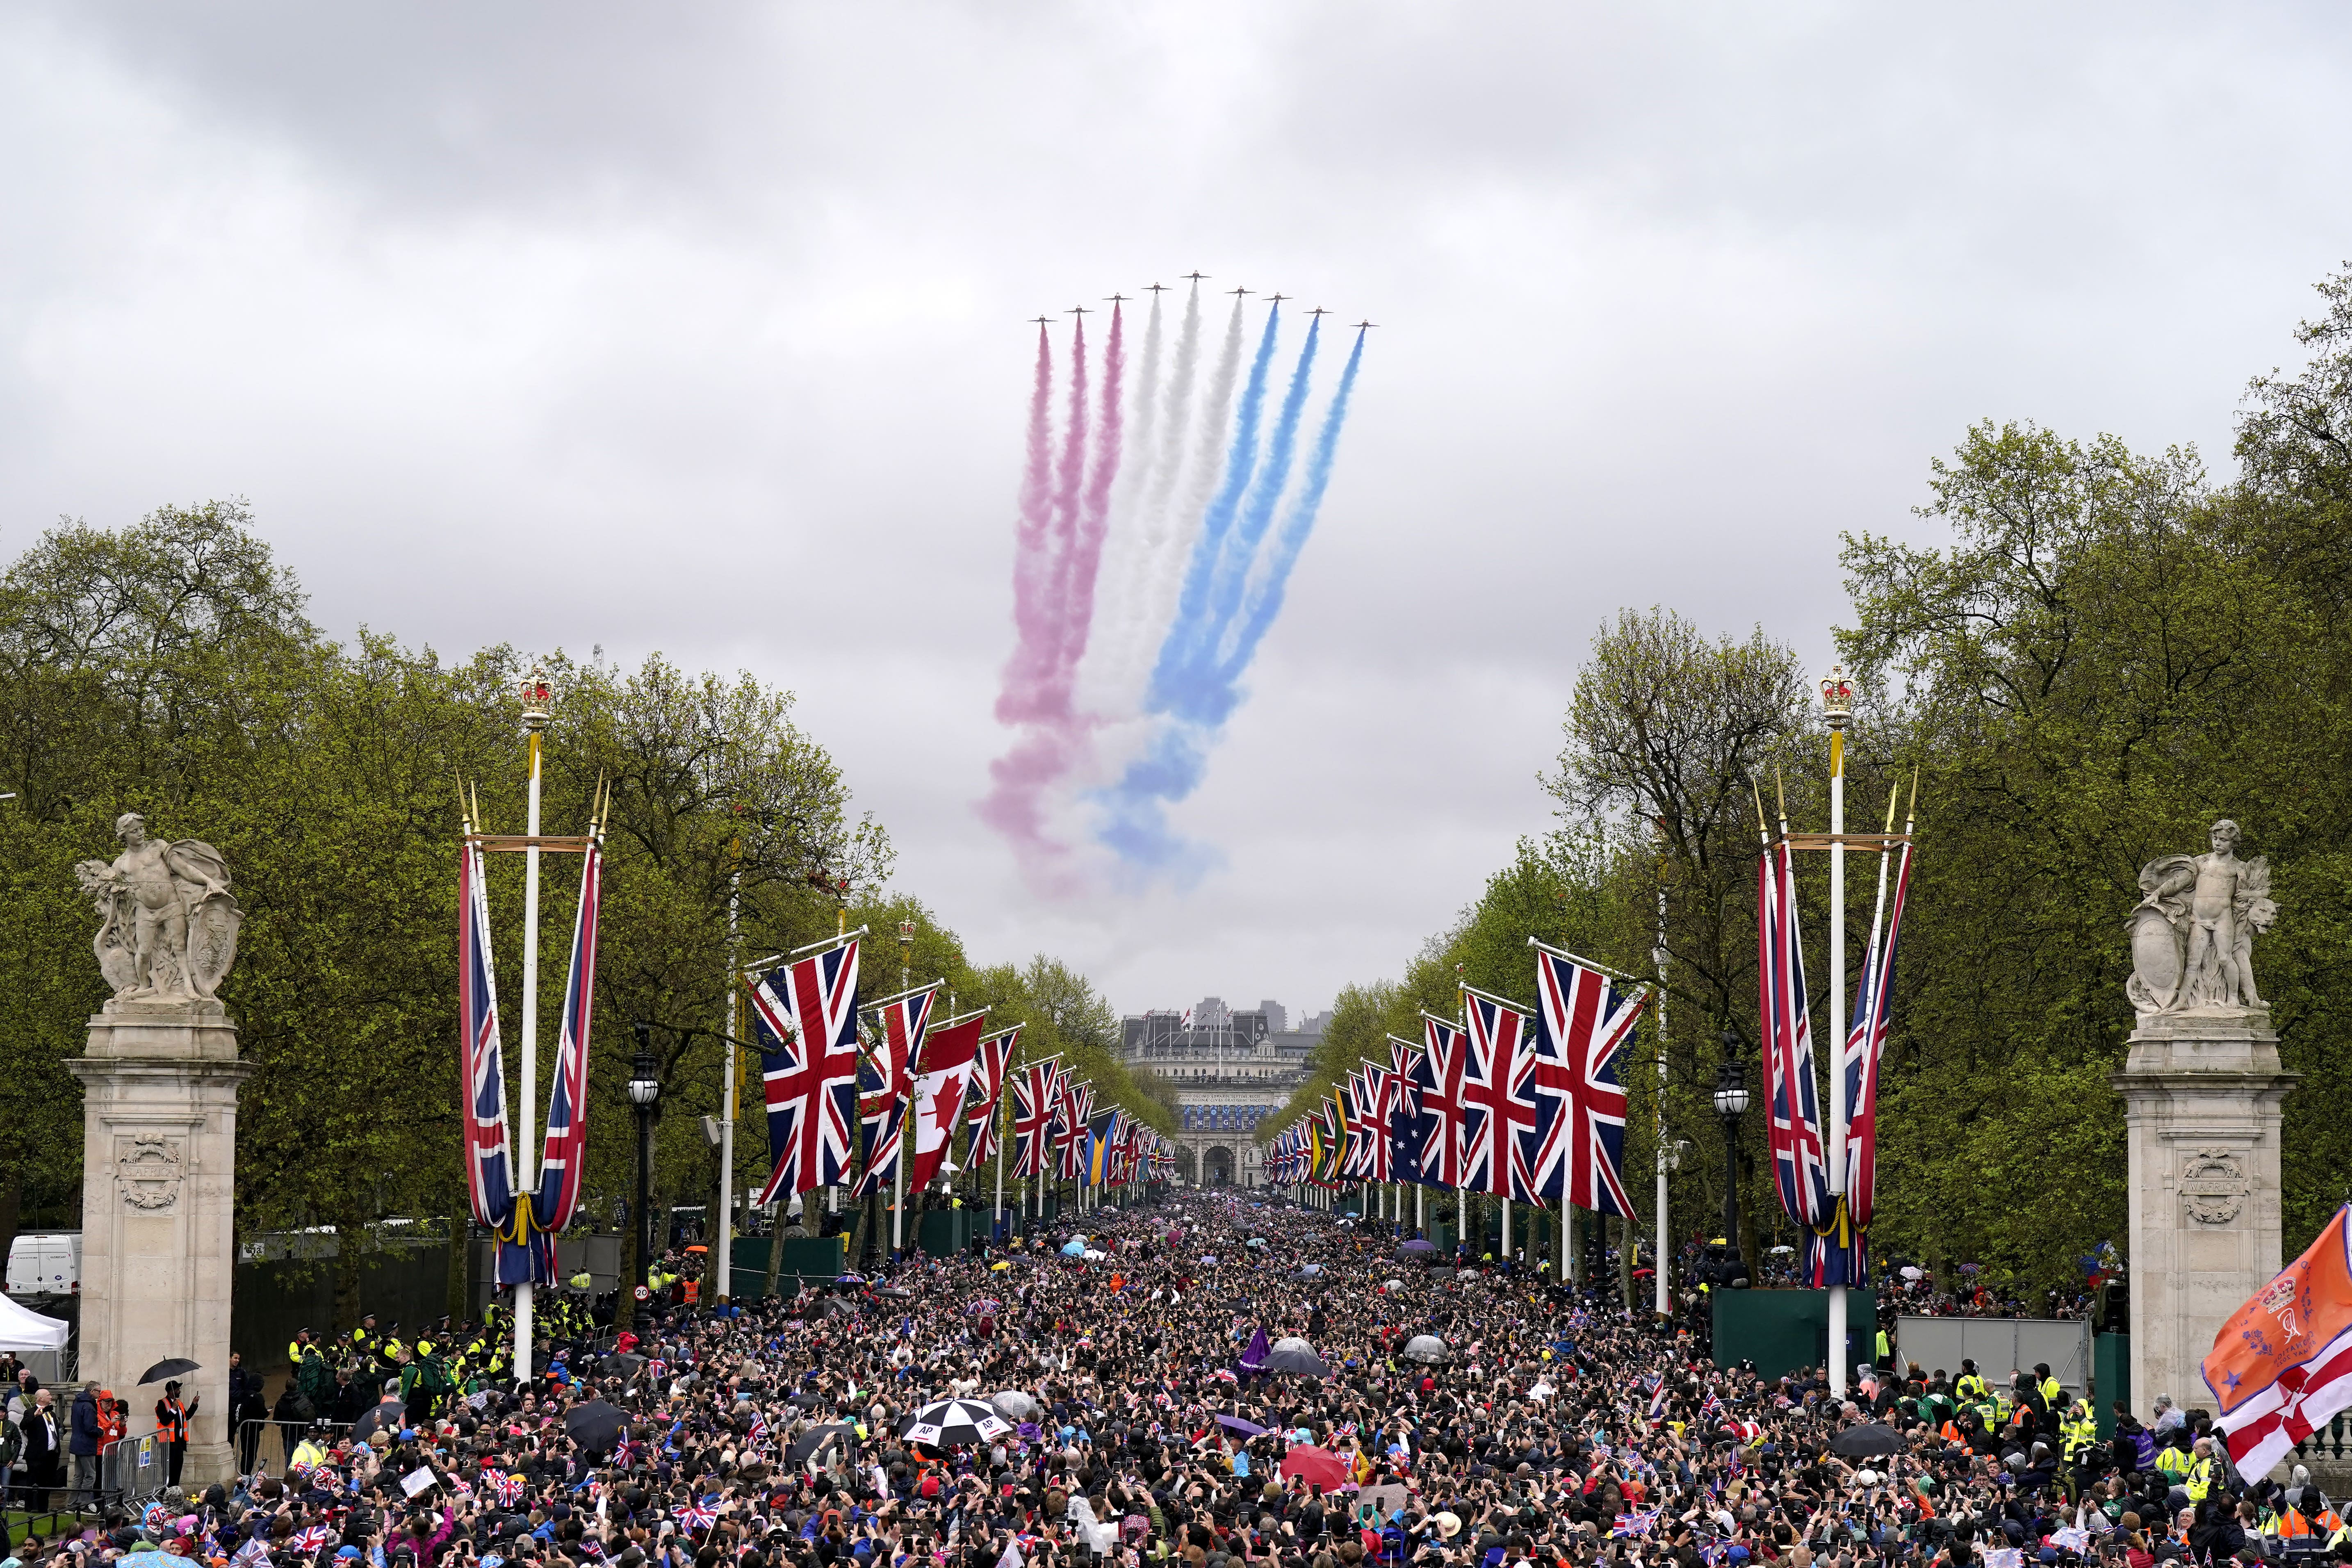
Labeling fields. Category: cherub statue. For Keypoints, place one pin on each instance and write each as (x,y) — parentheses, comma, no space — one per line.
(168,923)
(2193,932)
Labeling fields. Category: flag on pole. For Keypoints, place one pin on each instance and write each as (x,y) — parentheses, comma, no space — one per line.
(1800,1170)
(1404,1110)
(2281,1369)
(885,1077)
(1437,1084)
(1865,1047)
(988,1073)
(1078,1108)
(1037,1095)
(1582,1021)
(805,1014)
(1499,1101)
(564,1157)
(489,1155)
(943,1073)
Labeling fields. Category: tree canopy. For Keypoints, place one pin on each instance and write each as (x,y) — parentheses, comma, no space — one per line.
(169,667)
(2087,654)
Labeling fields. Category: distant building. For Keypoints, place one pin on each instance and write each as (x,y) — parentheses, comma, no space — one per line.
(1231,1070)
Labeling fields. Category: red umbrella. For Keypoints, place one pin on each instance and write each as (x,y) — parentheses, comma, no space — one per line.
(1321,1468)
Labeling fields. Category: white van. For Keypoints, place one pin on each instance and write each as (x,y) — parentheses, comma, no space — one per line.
(46,1264)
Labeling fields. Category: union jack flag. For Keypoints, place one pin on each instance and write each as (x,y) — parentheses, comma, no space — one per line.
(1077,1105)
(884,1081)
(256,1551)
(757,1437)
(1865,1047)
(806,1014)
(701,1515)
(1582,1021)
(1498,1101)
(1037,1095)
(489,1162)
(988,1073)
(563,1154)
(1631,1524)
(310,1540)
(1799,1169)
(1438,1086)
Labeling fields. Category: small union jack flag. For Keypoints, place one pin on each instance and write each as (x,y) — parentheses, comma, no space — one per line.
(702,1515)
(1629,1525)
(310,1541)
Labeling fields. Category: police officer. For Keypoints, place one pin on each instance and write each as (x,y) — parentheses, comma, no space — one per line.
(1971,1388)
(363,1340)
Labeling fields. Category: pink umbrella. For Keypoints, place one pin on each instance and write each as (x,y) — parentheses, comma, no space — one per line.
(1320,1466)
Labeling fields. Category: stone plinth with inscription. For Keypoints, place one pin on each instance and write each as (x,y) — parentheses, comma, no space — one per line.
(160,1082)
(2202,1089)
(158,1188)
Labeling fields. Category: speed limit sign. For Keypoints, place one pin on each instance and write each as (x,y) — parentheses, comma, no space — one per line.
(644,1294)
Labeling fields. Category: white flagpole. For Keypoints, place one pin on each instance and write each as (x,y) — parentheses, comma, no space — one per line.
(534,720)
(1838,703)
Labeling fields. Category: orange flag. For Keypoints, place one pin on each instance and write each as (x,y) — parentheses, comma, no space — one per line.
(2282,1366)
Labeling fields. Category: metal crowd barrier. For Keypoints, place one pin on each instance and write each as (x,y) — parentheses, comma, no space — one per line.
(131,1470)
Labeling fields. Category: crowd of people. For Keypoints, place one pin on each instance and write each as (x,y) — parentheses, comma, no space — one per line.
(1111,1415)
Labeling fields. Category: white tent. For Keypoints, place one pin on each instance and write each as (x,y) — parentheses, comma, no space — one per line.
(22,1329)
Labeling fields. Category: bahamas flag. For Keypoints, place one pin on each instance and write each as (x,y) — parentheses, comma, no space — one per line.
(1102,1137)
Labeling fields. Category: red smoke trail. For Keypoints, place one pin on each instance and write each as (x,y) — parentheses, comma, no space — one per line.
(1069,497)
(1094,519)
(1032,563)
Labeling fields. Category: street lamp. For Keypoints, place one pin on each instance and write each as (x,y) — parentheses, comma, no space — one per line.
(1731,1104)
(644,1089)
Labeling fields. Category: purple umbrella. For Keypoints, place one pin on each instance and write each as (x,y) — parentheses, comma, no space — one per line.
(1246,1428)
(1253,1356)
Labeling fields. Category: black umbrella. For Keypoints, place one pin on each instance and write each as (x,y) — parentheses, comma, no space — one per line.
(895,1292)
(390,1416)
(171,1368)
(623,1364)
(595,1426)
(951,1422)
(816,1438)
(1867,1441)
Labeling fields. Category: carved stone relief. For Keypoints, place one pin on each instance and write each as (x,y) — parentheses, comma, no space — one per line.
(150,1167)
(2213,1185)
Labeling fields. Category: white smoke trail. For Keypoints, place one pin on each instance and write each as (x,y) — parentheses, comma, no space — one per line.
(1132,639)
(1207,471)
(1100,686)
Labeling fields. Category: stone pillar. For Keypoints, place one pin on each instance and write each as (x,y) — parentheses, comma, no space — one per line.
(2201,1093)
(158,1191)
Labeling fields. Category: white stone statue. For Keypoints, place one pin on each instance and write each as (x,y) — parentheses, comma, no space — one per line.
(168,921)
(2193,934)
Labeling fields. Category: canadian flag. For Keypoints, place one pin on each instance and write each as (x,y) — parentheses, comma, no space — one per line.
(940,1079)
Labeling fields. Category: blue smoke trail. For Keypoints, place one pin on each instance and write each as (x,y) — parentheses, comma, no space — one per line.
(1204,689)
(1241,460)
(1267,602)
(1208,696)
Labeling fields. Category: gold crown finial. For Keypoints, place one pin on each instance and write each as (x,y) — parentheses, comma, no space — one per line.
(1837,696)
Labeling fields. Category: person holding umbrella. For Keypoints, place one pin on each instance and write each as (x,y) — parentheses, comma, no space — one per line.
(172,1418)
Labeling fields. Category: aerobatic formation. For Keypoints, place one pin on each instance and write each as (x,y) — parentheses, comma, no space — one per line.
(1160,520)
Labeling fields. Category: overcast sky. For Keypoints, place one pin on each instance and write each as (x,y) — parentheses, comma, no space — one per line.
(712,316)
